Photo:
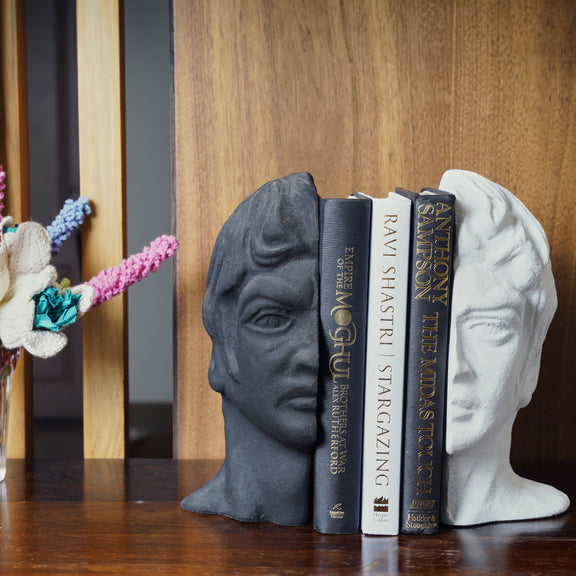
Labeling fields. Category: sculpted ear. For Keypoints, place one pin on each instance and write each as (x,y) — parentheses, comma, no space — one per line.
(219,318)
(223,368)
(217,370)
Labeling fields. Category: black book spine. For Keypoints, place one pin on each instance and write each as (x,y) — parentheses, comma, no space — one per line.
(344,268)
(430,295)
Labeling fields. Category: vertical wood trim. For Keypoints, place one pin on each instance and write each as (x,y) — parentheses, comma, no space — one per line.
(102,178)
(14,156)
(198,421)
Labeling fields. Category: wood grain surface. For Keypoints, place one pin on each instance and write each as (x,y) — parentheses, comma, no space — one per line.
(123,517)
(369,95)
(14,157)
(103,179)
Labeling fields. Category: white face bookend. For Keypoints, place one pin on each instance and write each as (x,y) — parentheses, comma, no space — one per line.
(503,302)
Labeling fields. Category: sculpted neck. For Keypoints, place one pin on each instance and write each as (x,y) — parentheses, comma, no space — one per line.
(246,442)
(480,486)
(472,482)
(272,480)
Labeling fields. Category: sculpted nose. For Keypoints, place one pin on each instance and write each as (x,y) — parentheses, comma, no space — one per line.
(458,364)
(305,362)
(307,356)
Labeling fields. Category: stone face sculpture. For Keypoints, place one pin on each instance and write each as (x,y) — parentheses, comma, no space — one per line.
(261,312)
(503,302)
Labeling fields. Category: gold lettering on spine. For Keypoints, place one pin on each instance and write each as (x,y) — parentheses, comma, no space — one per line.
(432,262)
(342,337)
(383,421)
(431,283)
(387,293)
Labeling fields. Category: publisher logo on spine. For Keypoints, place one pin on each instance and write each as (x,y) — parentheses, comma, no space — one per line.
(381,504)
(337,512)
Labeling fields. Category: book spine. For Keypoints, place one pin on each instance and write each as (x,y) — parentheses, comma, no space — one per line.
(385,361)
(344,262)
(427,362)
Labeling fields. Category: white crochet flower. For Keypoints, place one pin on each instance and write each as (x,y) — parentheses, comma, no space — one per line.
(25,271)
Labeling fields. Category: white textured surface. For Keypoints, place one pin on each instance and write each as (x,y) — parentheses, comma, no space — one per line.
(504,299)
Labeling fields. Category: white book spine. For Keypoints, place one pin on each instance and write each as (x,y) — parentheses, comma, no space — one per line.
(385,357)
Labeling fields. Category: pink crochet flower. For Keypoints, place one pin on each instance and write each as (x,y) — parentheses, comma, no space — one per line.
(2,186)
(113,281)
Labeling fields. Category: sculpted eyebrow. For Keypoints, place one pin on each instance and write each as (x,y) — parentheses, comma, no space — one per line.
(278,291)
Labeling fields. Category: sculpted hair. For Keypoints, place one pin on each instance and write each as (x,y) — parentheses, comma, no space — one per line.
(275,224)
(506,232)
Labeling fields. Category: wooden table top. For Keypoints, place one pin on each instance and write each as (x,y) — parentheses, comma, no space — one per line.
(123,517)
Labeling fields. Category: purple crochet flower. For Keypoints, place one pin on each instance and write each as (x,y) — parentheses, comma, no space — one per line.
(69,218)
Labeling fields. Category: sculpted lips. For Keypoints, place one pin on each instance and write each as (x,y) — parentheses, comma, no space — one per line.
(459,413)
(461,408)
(301,398)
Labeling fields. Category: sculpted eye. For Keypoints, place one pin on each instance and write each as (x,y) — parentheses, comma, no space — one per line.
(494,330)
(271,319)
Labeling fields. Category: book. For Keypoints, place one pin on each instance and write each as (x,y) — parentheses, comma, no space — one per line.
(385,362)
(344,265)
(430,292)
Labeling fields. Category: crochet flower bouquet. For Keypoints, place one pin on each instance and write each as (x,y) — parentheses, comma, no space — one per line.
(34,305)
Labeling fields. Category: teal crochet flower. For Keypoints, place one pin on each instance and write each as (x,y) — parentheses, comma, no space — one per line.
(55,309)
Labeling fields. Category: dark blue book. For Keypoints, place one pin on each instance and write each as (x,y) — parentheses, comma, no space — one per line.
(428,335)
(344,270)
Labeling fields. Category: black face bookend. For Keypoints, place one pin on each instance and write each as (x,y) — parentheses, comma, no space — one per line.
(261,312)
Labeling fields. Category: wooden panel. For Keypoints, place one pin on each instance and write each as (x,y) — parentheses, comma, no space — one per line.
(369,95)
(102,178)
(513,120)
(14,157)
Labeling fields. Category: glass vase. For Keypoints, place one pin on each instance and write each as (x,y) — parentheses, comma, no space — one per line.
(8,360)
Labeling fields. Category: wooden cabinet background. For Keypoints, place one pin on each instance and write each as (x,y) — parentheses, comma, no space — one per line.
(368,95)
